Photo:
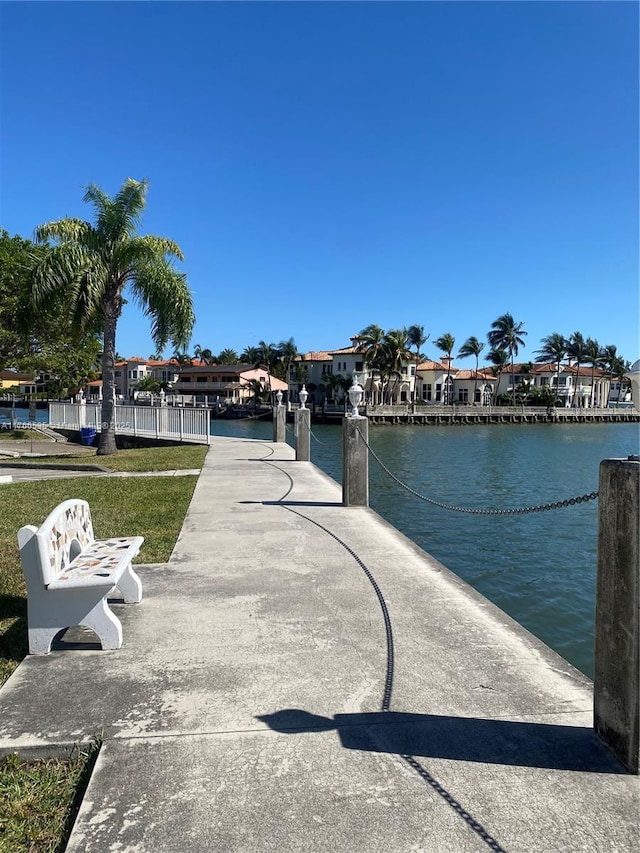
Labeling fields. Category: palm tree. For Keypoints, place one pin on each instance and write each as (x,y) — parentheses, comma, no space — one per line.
(554,349)
(593,357)
(620,370)
(472,346)
(416,338)
(446,343)
(268,355)
(506,334)
(498,358)
(288,352)
(395,347)
(609,358)
(95,264)
(250,355)
(369,341)
(228,356)
(182,357)
(575,350)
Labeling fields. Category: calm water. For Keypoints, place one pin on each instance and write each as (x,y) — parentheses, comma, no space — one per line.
(539,568)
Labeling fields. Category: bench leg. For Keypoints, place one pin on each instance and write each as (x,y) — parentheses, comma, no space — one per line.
(40,640)
(53,612)
(130,586)
(106,625)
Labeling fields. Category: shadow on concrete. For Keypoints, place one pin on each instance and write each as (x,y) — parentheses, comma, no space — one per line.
(488,741)
(301,503)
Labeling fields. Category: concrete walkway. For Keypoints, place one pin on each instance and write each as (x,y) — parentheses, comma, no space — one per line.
(301,677)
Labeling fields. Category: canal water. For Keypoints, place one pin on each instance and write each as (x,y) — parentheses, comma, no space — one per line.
(540,568)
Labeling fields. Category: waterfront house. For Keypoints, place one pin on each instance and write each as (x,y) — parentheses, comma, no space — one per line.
(130,372)
(228,384)
(584,387)
(12,382)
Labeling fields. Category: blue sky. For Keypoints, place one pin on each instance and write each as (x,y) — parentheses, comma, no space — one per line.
(329,165)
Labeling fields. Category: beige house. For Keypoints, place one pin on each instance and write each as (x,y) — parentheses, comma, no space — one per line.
(231,384)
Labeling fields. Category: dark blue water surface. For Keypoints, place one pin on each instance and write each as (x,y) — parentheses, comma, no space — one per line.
(540,568)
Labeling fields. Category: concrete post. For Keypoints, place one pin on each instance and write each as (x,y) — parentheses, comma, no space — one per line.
(355,461)
(617,638)
(303,435)
(279,423)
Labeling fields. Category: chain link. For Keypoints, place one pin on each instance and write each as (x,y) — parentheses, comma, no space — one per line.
(591,496)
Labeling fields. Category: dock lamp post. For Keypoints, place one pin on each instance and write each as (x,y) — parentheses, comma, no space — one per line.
(303,428)
(355,451)
(279,419)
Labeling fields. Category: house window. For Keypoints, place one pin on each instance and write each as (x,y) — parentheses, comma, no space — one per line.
(463,395)
(185,379)
(426,391)
(413,370)
(403,396)
(201,379)
(404,370)
(478,396)
(358,366)
(438,392)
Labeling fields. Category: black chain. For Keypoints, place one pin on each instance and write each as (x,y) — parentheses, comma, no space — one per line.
(518,511)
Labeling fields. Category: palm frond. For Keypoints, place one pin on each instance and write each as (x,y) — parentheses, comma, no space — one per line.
(162,245)
(65,231)
(165,297)
(129,203)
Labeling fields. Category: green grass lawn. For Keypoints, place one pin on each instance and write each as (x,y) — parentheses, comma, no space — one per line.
(38,800)
(185,456)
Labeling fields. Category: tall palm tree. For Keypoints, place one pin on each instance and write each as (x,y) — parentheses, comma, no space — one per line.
(182,357)
(446,343)
(498,358)
(554,349)
(250,355)
(370,342)
(575,344)
(593,356)
(416,338)
(620,370)
(609,358)
(227,356)
(288,351)
(269,356)
(395,346)
(95,264)
(472,346)
(506,334)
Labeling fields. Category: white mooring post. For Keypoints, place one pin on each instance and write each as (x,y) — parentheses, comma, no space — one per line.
(303,428)
(355,453)
(616,686)
(279,419)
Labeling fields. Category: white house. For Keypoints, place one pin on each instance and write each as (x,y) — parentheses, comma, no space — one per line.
(584,388)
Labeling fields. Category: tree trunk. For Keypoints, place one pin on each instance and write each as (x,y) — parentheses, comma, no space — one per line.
(107,443)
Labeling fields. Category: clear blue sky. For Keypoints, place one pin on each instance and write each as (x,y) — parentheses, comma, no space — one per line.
(329,165)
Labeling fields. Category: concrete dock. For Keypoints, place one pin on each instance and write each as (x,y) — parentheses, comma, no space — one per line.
(301,677)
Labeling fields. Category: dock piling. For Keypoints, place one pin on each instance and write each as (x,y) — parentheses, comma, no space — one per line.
(617,631)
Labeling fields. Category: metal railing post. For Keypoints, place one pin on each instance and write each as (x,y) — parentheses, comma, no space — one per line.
(616,686)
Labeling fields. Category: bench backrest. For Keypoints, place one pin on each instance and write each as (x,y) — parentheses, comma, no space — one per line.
(60,538)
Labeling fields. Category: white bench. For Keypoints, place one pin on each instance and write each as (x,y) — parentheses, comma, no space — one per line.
(69,575)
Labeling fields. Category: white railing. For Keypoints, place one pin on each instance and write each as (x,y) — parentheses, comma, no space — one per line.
(162,422)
